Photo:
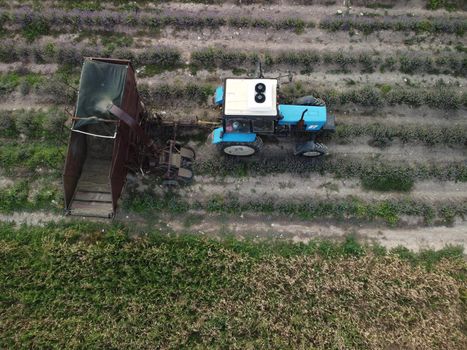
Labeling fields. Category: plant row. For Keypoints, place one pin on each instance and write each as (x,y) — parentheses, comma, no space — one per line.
(369,24)
(440,96)
(35,23)
(38,156)
(41,156)
(348,208)
(367,62)
(10,51)
(33,124)
(168,57)
(49,124)
(376,174)
(21,196)
(407,133)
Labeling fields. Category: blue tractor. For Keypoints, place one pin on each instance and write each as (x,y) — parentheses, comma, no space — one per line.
(250,109)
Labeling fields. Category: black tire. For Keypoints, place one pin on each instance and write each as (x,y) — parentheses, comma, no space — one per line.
(311,149)
(249,148)
(260,88)
(310,101)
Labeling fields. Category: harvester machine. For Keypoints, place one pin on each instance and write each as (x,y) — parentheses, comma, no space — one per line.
(109,137)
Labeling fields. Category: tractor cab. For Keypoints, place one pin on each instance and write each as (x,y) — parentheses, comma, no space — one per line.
(250,109)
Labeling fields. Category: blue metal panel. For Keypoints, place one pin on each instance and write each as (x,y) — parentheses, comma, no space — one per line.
(219,96)
(314,118)
(218,136)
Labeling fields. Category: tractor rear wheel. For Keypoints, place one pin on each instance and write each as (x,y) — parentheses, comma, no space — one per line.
(310,101)
(241,149)
(311,149)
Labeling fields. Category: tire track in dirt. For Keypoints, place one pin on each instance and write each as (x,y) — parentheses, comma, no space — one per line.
(258,228)
(358,149)
(305,12)
(266,228)
(297,188)
(263,40)
(319,78)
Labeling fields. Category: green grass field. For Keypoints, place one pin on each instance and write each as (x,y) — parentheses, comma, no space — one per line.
(99,286)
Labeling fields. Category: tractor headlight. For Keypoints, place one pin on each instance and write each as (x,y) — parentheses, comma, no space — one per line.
(236,125)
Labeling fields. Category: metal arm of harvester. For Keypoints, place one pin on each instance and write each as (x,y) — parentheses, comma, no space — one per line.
(133,124)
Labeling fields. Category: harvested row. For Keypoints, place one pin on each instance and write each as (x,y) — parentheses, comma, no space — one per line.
(170,57)
(34,24)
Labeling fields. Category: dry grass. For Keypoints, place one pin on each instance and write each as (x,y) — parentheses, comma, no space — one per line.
(75,286)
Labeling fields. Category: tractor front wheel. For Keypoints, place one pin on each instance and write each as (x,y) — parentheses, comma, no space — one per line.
(311,149)
(241,149)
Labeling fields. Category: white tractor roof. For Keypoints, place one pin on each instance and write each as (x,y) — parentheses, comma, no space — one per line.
(239,97)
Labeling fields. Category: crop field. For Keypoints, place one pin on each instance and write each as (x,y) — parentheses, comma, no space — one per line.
(394,75)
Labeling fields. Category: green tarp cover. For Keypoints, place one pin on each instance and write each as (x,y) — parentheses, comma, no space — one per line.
(101,84)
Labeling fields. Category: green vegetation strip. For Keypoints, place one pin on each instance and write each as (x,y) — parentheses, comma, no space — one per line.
(34,124)
(390,211)
(91,286)
(33,156)
(21,196)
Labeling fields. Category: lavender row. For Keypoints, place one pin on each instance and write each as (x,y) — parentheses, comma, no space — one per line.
(43,21)
(107,20)
(11,51)
(169,57)
(368,25)
(407,62)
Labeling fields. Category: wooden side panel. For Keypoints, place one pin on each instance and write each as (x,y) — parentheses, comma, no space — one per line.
(123,153)
(76,155)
